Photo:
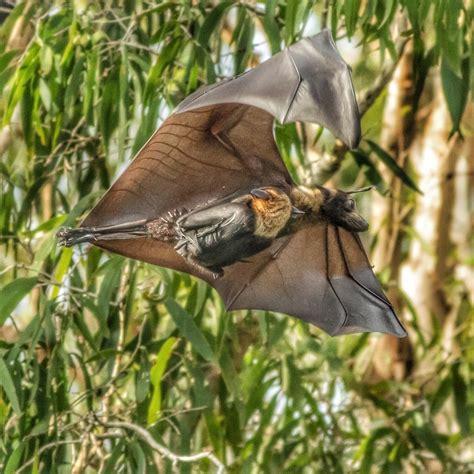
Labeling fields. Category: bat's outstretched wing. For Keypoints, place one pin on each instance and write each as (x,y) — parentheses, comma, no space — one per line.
(189,162)
(220,141)
(321,275)
(307,82)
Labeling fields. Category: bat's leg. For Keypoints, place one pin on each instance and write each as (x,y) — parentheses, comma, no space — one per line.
(211,273)
(129,230)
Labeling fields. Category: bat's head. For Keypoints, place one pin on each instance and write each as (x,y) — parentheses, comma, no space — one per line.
(340,209)
(273,210)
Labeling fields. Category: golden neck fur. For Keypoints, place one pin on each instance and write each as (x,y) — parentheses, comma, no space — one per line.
(307,199)
(271,215)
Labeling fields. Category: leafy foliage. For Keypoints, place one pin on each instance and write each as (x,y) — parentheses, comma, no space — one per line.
(90,339)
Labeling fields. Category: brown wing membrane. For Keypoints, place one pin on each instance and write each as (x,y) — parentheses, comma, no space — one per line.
(312,276)
(190,161)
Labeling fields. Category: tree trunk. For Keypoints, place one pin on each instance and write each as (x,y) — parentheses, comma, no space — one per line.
(391,357)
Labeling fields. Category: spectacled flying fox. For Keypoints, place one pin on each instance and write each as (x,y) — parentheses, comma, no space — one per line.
(209,195)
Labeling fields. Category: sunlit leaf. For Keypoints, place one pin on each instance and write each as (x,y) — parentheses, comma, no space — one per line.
(188,329)
(156,374)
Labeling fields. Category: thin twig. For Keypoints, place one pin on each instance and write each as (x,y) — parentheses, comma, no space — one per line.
(383,79)
(45,448)
(163,450)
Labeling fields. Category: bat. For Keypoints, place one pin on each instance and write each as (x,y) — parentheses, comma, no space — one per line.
(209,195)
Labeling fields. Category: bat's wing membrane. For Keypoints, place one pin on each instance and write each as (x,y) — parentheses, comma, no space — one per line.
(307,82)
(321,275)
(219,141)
(185,165)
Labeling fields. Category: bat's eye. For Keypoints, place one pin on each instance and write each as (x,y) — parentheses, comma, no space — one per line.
(351,204)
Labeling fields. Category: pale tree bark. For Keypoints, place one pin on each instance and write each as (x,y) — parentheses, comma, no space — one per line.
(391,357)
(19,37)
(441,220)
(436,276)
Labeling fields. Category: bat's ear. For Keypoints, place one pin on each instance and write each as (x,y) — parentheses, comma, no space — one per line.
(260,193)
(361,190)
(295,212)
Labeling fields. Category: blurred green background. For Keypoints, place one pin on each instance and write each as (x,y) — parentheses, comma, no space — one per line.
(106,362)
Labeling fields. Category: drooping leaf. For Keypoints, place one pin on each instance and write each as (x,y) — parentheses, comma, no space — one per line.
(156,374)
(12,293)
(6,382)
(393,166)
(188,329)
(456,91)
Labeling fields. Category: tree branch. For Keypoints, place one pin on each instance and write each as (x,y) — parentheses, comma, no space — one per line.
(146,436)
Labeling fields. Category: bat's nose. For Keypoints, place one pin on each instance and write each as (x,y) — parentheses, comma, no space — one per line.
(359,224)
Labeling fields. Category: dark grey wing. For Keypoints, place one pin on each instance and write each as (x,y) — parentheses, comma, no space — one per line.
(321,275)
(308,82)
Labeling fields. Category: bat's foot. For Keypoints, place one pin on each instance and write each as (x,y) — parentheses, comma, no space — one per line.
(68,237)
(210,273)
(217,273)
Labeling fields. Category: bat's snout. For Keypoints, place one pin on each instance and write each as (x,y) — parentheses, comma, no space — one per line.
(356,223)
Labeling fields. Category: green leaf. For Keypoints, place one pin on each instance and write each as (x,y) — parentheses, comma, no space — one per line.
(155,76)
(441,395)
(6,58)
(6,382)
(188,329)
(156,374)
(45,94)
(460,400)
(391,164)
(73,91)
(456,90)
(429,439)
(113,466)
(211,22)
(138,456)
(14,459)
(61,270)
(11,295)
(271,27)
(351,13)
(371,172)
(110,282)
(366,449)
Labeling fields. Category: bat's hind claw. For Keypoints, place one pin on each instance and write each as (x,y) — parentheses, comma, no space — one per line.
(68,237)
